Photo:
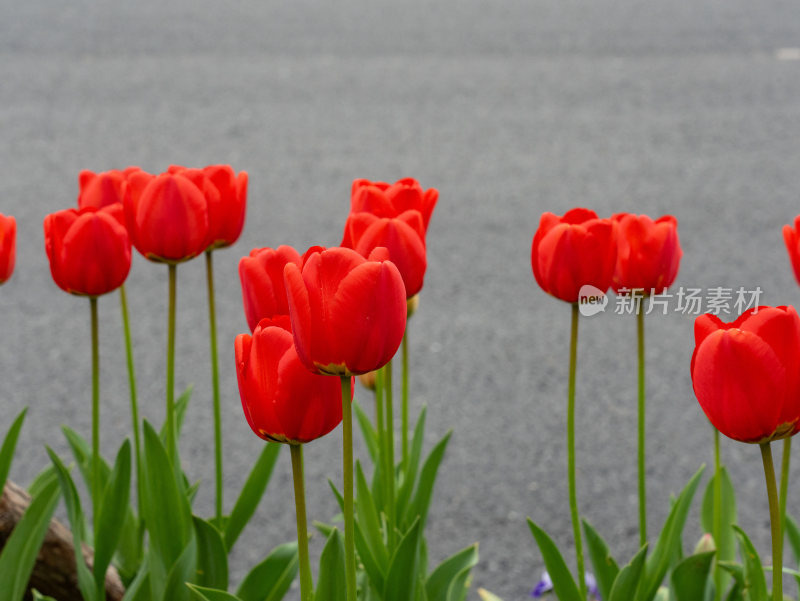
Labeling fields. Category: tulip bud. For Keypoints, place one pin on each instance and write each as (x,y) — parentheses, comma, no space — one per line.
(705,544)
(367,380)
(411,305)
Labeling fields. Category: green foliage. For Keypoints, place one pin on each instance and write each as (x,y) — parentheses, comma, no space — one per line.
(271,579)
(563,583)
(605,567)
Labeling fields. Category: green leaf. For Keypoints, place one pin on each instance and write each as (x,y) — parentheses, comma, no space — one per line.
(438,583)
(113,508)
(376,574)
(9,444)
(42,480)
(404,566)
(331,582)
(755,584)
(324,529)
(270,579)
(181,573)
(690,577)
(726,546)
(627,582)
(370,436)
(210,594)
(19,553)
(139,588)
(563,583)
(212,557)
(37,596)
(457,591)
(181,404)
(669,541)
(793,535)
(605,567)
(251,494)
(367,517)
(78,523)
(337,494)
(409,473)
(83,457)
(427,478)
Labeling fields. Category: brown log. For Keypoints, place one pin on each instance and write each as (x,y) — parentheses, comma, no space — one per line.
(54,573)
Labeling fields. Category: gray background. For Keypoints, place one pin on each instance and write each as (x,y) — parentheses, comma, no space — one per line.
(509,108)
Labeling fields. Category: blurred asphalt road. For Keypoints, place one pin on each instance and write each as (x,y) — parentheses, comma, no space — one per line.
(509,108)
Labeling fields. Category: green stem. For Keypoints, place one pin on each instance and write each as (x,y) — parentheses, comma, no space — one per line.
(306,583)
(390,505)
(642,398)
(775,521)
(785,460)
(212,324)
(349,524)
(405,399)
(381,430)
(131,374)
(717,514)
(95,416)
(573,493)
(171,443)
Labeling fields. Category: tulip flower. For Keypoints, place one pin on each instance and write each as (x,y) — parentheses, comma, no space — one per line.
(648,253)
(102,189)
(791,236)
(746,376)
(8,246)
(348,312)
(263,288)
(391,200)
(403,236)
(572,251)
(89,249)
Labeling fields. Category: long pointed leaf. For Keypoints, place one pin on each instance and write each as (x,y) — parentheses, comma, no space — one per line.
(368,431)
(212,557)
(202,593)
(404,567)
(629,578)
(755,583)
(427,478)
(563,582)
(113,508)
(438,583)
(726,546)
(605,567)
(410,471)
(9,445)
(331,584)
(270,579)
(690,577)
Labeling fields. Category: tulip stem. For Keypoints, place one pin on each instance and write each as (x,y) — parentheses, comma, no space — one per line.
(171,446)
(785,460)
(95,416)
(131,374)
(775,521)
(347,493)
(387,372)
(573,493)
(306,583)
(212,324)
(405,399)
(381,429)
(642,399)
(717,514)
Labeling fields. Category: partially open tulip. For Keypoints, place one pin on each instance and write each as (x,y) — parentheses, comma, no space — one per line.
(282,400)
(8,246)
(572,251)
(167,215)
(391,200)
(648,253)
(348,313)
(403,236)
(89,249)
(791,236)
(99,190)
(746,374)
(263,288)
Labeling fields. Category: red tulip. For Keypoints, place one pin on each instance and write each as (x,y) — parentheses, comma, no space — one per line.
(167,215)
(792,238)
(282,400)
(89,249)
(391,200)
(746,374)
(403,236)
(348,313)
(263,289)
(648,253)
(572,251)
(8,246)
(226,206)
(99,190)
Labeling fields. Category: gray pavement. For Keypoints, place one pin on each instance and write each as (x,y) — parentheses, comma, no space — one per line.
(509,108)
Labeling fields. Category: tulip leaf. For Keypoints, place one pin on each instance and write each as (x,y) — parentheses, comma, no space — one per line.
(42,480)
(375,573)
(726,546)
(112,510)
(252,492)
(83,457)
(367,516)
(669,541)
(605,567)
(270,579)
(563,582)
(212,557)
(690,577)
(21,548)
(139,587)
(324,529)
(457,591)
(438,584)
(404,567)
(754,581)
(181,405)
(793,535)
(86,583)
(629,578)
(409,473)
(9,445)
(331,582)
(370,436)
(37,596)
(337,494)
(202,593)
(427,478)
(181,573)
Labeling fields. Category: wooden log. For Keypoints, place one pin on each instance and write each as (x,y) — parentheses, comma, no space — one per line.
(54,573)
